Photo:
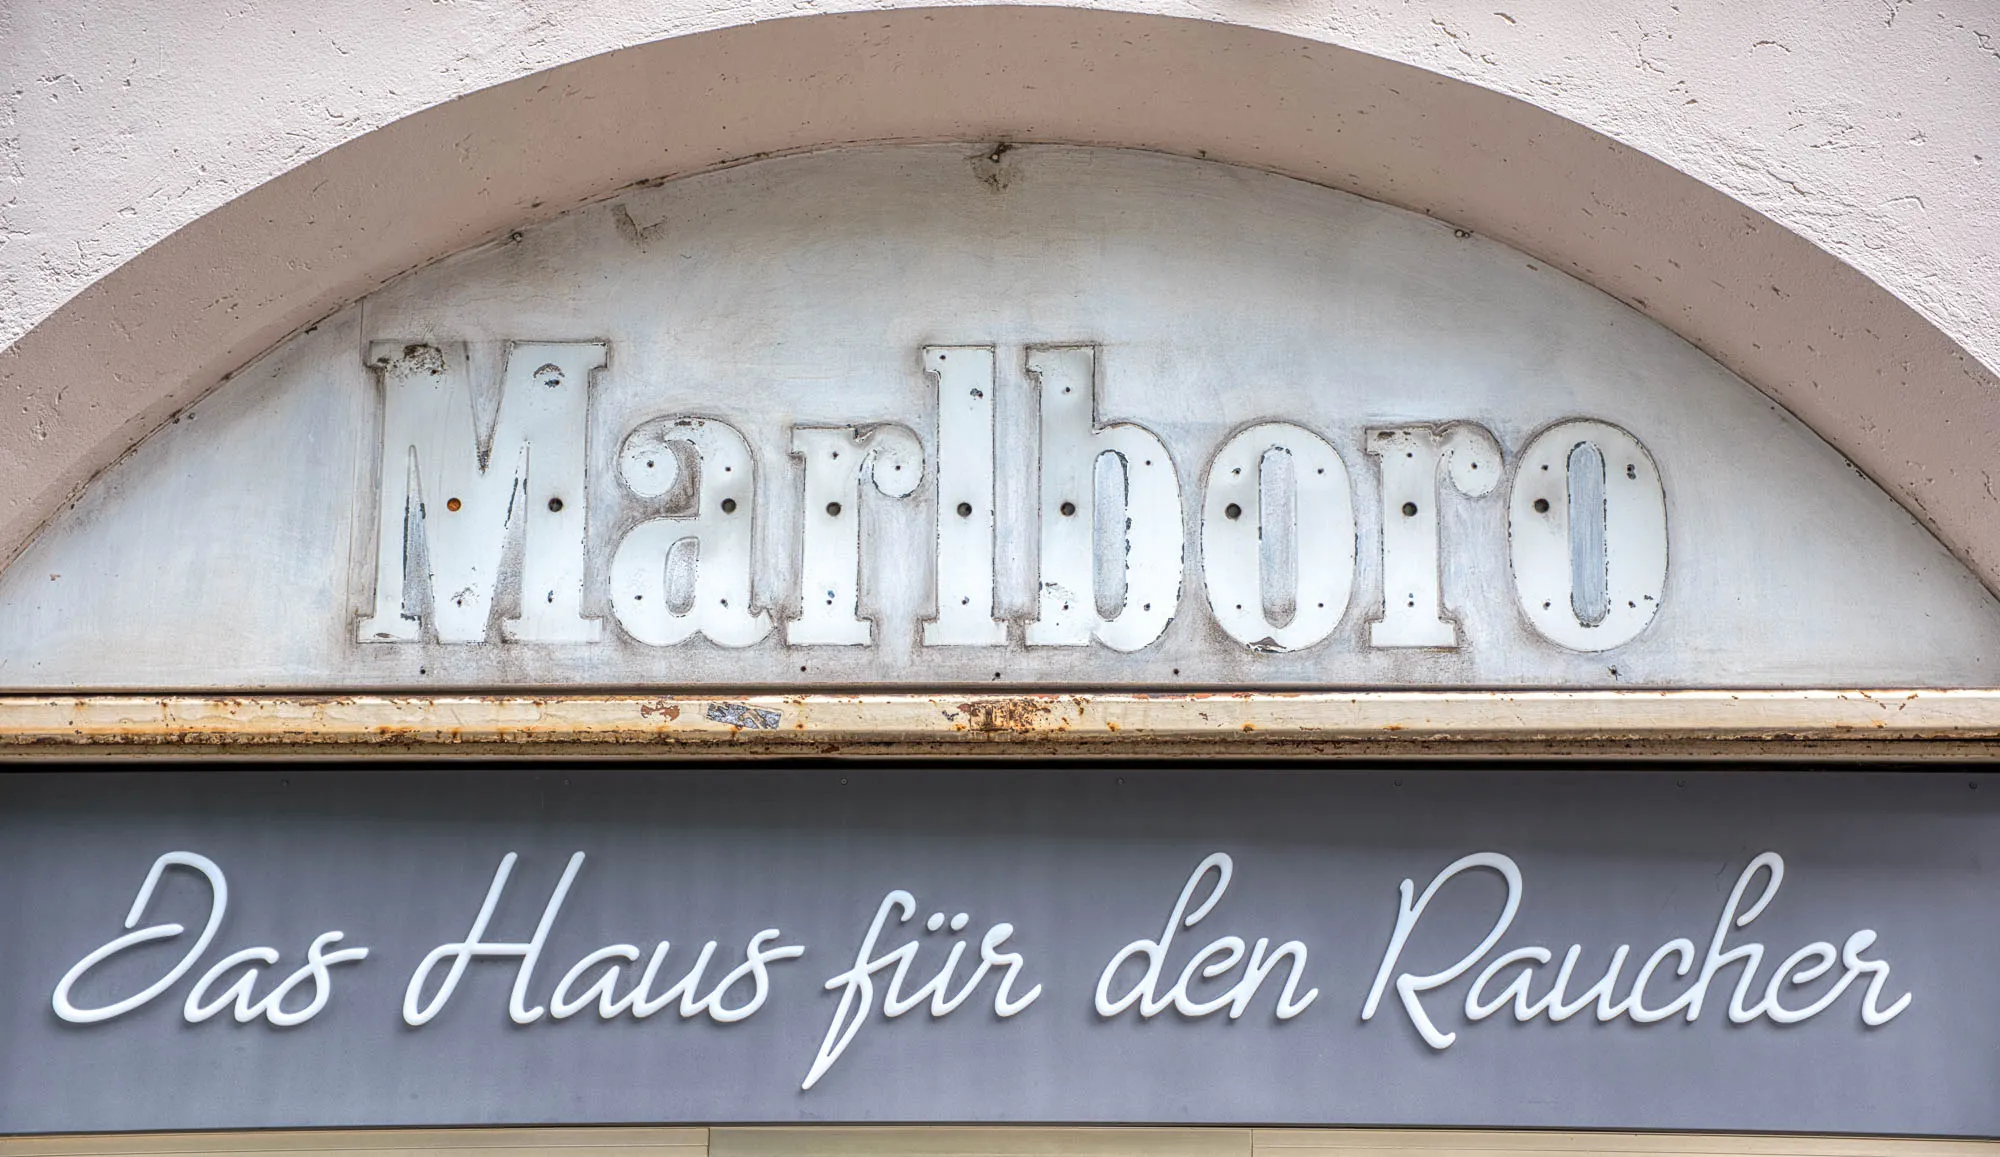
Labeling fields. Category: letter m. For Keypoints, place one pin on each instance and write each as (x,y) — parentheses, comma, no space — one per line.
(459,500)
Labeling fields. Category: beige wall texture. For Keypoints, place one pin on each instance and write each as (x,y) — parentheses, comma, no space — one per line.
(1871,127)
(173,197)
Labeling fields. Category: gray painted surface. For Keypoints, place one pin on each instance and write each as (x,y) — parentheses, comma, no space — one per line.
(234,550)
(1081,861)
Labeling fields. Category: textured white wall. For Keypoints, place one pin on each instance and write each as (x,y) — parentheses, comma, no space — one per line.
(1867,126)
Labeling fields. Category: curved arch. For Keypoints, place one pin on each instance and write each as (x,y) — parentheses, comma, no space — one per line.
(1904,402)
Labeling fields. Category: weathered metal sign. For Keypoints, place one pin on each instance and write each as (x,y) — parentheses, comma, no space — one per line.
(1585,518)
(1684,950)
(1075,417)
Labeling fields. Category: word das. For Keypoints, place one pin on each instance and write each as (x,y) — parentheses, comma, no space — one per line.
(466,521)
(1796,971)
(571,994)
(1214,960)
(857,985)
(205,1000)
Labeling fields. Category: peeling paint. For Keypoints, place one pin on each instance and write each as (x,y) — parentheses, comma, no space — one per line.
(743,715)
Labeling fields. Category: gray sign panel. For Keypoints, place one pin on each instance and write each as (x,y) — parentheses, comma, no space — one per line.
(1817,949)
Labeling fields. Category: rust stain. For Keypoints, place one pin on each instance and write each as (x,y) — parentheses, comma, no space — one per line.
(523,724)
(1023,713)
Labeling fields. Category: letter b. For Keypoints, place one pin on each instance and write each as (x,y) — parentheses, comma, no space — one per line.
(1150,540)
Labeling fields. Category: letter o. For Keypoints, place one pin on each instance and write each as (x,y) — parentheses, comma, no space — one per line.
(1558,555)
(1231,557)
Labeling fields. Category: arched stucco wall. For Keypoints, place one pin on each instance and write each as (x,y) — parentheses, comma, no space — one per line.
(310,227)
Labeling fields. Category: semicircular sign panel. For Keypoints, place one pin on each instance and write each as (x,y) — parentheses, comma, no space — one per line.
(950,415)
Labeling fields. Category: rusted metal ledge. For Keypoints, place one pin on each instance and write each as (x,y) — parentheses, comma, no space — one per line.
(1916,725)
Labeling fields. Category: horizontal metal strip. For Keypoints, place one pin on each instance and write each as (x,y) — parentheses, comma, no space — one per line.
(1663,724)
(514,1142)
(1534,1143)
(979,1141)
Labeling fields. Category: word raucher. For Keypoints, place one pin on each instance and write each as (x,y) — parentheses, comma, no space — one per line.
(907,961)
(469,526)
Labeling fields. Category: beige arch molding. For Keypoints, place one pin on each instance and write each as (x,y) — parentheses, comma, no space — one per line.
(1904,402)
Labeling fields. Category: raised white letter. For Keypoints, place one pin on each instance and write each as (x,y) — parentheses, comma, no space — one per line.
(1410,461)
(835,460)
(463,952)
(964,376)
(462,493)
(1407,914)
(1588,530)
(218,904)
(1148,547)
(1144,993)
(1251,557)
(688,572)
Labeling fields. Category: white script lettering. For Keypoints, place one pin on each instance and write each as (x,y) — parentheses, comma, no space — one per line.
(1217,958)
(567,1000)
(857,986)
(1801,968)
(199,1007)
